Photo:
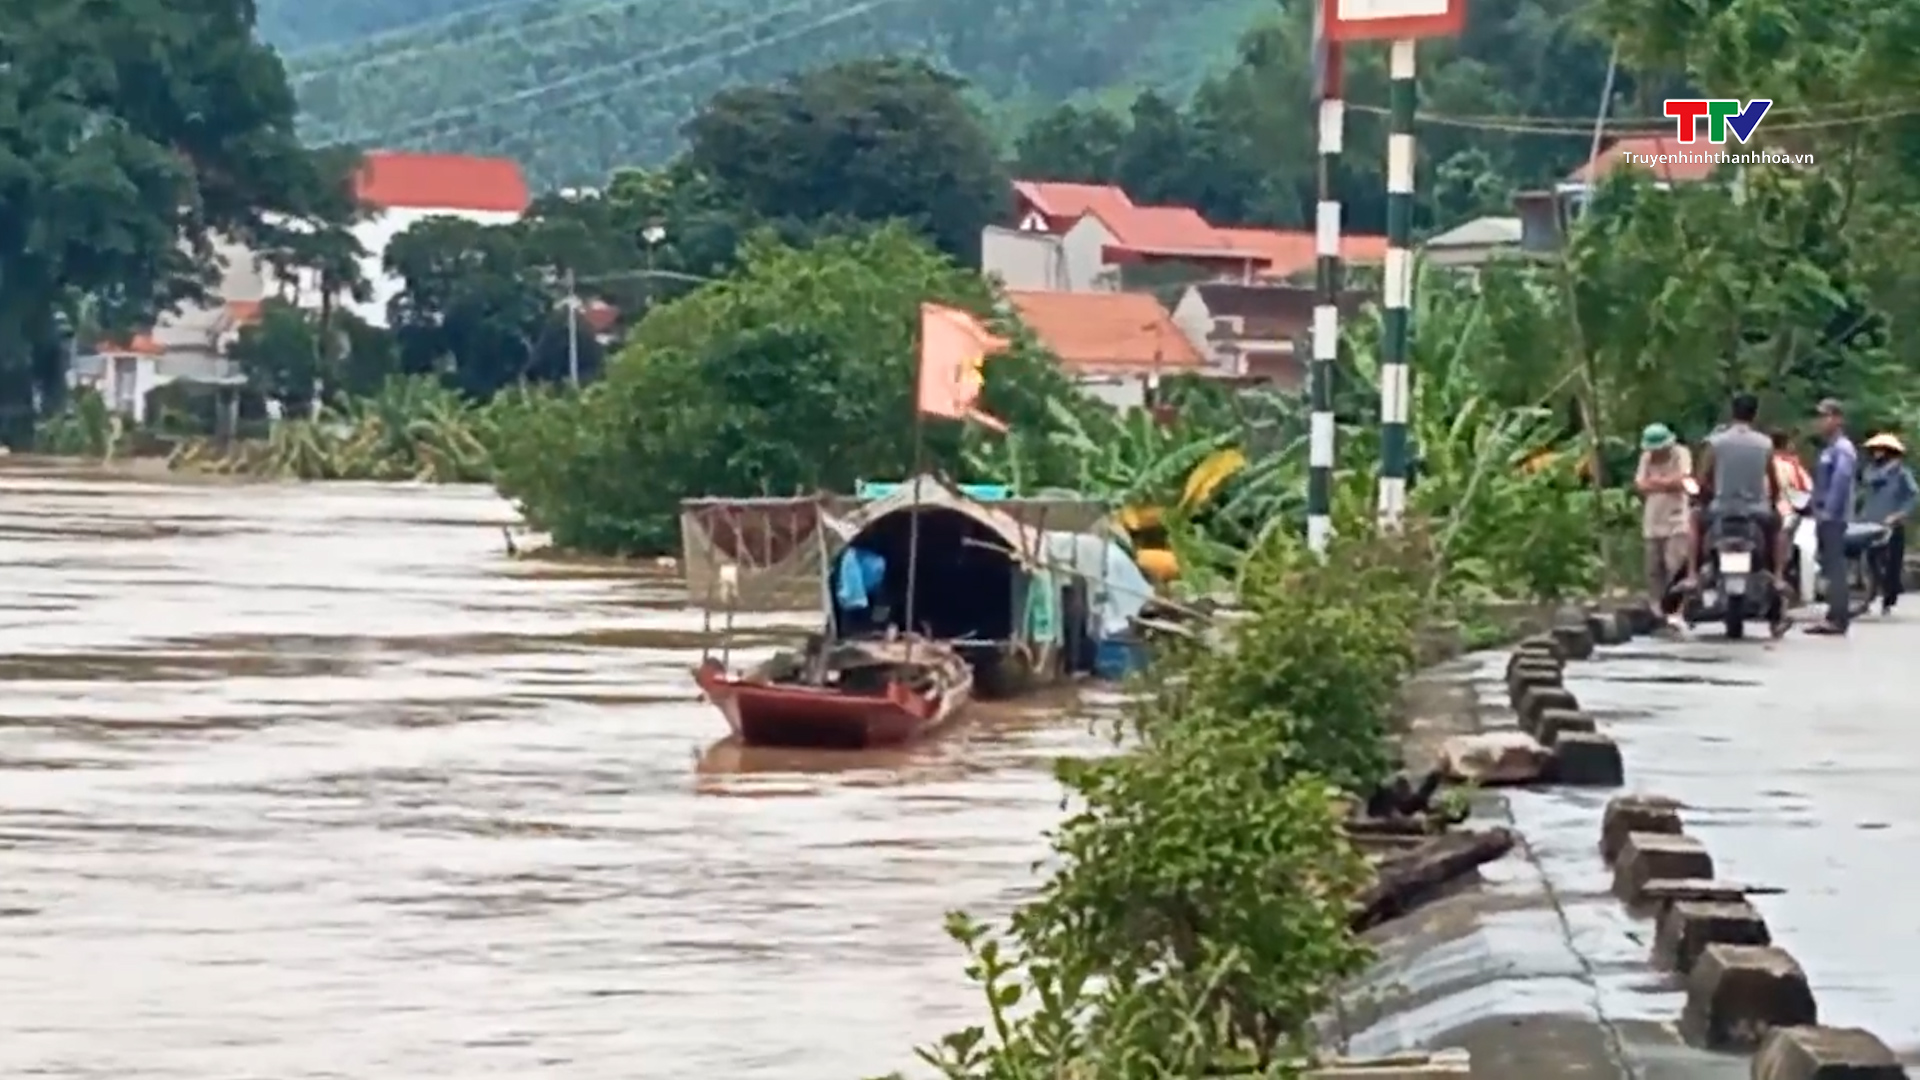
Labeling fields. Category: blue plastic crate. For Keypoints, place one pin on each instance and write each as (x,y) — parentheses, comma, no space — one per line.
(1117,658)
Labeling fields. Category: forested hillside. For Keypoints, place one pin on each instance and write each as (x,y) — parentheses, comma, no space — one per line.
(296,26)
(577,87)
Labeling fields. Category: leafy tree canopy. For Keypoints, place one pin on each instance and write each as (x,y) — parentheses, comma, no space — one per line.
(711,389)
(134,132)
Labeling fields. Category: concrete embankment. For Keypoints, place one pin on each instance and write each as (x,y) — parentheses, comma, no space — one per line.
(1640,956)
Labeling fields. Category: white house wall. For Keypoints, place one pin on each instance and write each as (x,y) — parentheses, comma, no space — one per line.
(1196,323)
(1028,261)
(1085,245)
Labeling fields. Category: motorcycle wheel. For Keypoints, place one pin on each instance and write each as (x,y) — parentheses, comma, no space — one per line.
(1736,619)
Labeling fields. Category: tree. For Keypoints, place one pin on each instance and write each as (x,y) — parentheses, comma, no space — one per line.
(135,131)
(868,141)
(280,354)
(474,303)
(794,374)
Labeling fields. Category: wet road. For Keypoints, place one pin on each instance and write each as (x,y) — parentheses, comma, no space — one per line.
(314,782)
(1798,763)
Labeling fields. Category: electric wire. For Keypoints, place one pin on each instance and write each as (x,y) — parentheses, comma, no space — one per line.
(301,75)
(347,50)
(473,116)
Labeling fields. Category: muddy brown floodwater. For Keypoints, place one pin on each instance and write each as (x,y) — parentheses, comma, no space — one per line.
(314,782)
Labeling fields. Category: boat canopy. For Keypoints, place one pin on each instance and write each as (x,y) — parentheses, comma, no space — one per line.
(774,553)
(1115,582)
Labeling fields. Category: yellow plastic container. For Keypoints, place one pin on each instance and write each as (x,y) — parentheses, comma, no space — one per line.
(1159,564)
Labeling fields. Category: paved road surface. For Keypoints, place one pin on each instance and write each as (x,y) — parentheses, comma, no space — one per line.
(1798,762)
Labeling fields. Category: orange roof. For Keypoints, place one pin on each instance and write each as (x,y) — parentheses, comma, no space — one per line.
(140,345)
(1291,251)
(599,315)
(1686,171)
(1063,200)
(391,180)
(1099,331)
(243,312)
(1149,229)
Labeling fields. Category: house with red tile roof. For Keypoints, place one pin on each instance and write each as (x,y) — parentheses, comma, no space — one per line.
(400,189)
(1690,169)
(1544,215)
(1258,333)
(1077,237)
(1115,345)
(397,190)
(190,346)
(1046,206)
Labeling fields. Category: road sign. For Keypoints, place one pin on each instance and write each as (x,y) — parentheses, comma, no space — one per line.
(1392,20)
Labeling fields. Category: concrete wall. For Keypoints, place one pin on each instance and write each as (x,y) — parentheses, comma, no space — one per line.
(1024,260)
(1087,269)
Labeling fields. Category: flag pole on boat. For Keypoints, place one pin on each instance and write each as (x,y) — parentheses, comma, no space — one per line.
(953,347)
(913,521)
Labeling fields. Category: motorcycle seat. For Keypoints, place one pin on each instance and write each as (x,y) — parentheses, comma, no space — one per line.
(1862,535)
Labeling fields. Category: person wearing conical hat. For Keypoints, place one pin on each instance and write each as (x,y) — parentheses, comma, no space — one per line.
(1888,495)
(1665,526)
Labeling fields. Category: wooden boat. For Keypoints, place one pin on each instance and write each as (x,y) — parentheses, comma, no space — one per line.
(853,694)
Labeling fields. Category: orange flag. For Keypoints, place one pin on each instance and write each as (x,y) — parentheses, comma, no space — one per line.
(953,348)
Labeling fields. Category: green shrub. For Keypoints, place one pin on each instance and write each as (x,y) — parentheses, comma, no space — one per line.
(1198,917)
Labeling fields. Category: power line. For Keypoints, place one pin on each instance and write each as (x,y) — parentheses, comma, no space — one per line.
(542,24)
(314,53)
(474,115)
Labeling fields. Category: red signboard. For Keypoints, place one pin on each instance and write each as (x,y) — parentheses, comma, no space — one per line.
(1391,20)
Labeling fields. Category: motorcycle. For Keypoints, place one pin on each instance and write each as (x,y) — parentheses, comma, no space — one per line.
(1736,581)
(1866,547)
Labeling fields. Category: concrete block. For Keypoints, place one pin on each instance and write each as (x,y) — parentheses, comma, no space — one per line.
(1528,678)
(1544,671)
(1557,722)
(1576,641)
(1636,814)
(1824,1053)
(1542,643)
(1646,857)
(1608,629)
(1535,700)
(1587,759)
(1735,993)
(1533,661)
(1687,927)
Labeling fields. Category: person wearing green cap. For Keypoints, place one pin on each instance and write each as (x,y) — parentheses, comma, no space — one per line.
(1665,525)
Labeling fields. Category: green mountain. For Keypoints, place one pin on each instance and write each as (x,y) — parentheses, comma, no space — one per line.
(575,88)
(295,26)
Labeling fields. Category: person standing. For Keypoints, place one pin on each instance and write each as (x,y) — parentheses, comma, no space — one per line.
(1888,496)
(1661,480)
(1788,473)
(1833,479)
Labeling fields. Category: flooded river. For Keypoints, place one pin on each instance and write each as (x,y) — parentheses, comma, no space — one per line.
(315,782)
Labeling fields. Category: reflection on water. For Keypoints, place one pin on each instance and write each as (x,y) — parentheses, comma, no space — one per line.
(314,782)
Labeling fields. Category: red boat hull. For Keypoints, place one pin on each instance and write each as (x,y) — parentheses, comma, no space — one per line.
(763,714)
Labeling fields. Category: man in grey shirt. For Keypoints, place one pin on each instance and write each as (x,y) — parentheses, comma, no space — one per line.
(1737,480)
(1832,508)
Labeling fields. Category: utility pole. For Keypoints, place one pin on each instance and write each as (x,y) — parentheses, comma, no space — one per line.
(1400,23)
(573,329)
(1327,56)
(1396,383)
